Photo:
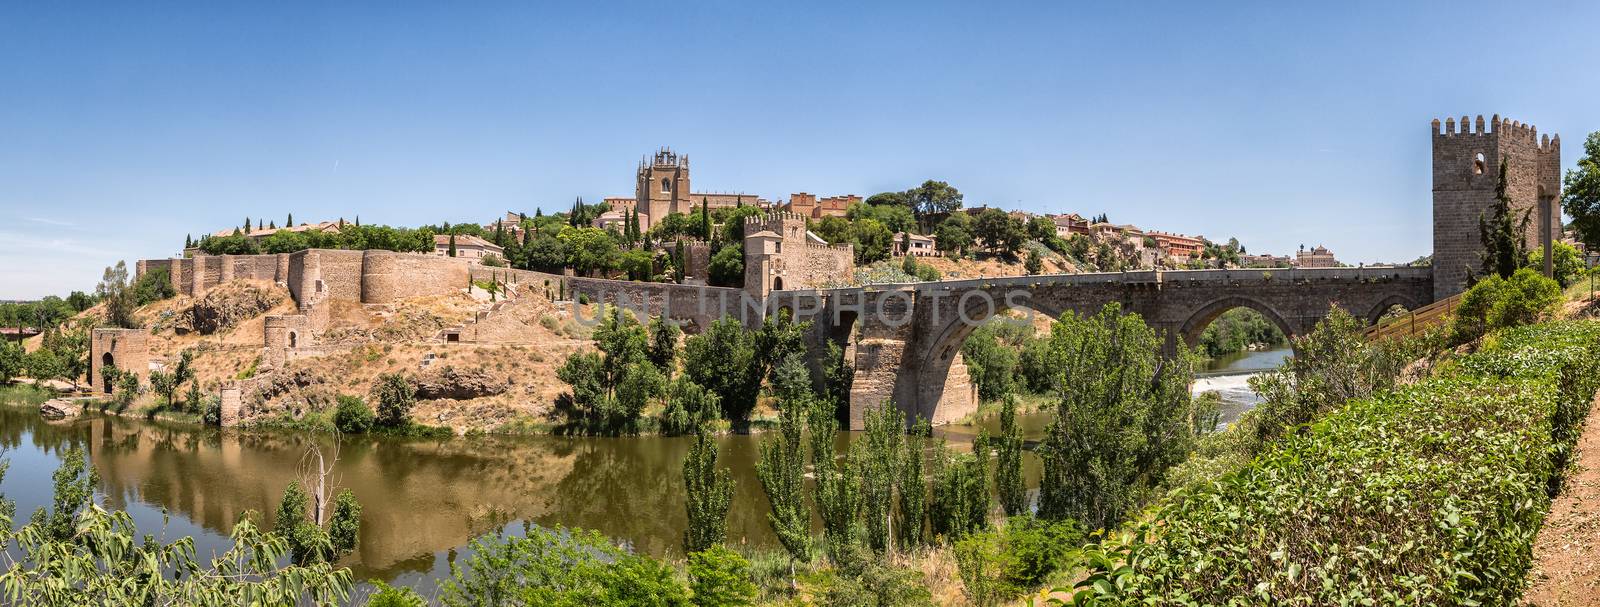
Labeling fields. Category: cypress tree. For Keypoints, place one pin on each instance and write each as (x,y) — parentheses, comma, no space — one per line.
(708,491)
(247,225)
(1504,251)
(538,211)
(289,223)
(705,219)
(452,252)
(187,241)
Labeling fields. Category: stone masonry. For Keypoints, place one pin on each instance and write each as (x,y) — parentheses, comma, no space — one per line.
(780,254)
(125,349)
(1466,166)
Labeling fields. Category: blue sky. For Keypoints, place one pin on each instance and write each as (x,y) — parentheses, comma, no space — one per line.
(122,128)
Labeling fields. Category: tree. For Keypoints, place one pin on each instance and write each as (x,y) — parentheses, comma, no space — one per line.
(877,453)
(1120,420)
(74,482)
(11,356)
(960,501)
(113,290)
(1008,478)
(395,395)
(954,234)
(1041,229)
(900,199)
(1035,263)
(452,251)
(1503,247)
(1580,193)
(873,241)
(664,344)
(724,359)
(912,488)
(838,495)
(69,348)
(933,198)
(708,491)
(1567,261)
(781,465)
(898,218)
(1000,232)
(590,250)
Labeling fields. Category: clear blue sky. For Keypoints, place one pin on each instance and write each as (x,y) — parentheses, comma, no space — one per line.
(123,128)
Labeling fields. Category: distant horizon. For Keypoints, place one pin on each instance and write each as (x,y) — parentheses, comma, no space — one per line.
(1277,125)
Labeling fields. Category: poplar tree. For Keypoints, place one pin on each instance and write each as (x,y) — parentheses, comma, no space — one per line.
(837,495)
(708,491)
(781,466)
(452,244)
(705,219)
(1008,461)
(877,452)
(912,488)
(289,223)
(247,225)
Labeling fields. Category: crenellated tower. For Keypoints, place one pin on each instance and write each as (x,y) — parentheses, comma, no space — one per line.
(1466,167)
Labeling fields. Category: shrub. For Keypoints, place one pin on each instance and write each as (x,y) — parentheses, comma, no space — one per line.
(563,567)
(395,396)
(1431,494)
(1496,303)
(385,595)
(719,577)
(353,416)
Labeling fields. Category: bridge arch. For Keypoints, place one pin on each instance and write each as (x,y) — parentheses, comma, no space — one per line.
(1206,314)
(1383,306)
(106,362)
(933,399)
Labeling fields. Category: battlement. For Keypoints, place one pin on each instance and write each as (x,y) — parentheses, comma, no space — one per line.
(771,216)
(1494,127)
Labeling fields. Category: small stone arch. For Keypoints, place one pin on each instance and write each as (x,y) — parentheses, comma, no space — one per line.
(1202,318)
(666,185)
(293,340)
(777,283)
(107,362)
(1383,305)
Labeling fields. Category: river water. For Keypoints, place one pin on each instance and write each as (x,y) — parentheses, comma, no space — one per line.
(422,499)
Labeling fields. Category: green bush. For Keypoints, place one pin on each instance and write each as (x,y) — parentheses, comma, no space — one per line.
(385,595)
(719,577)
(1430,494)
(395,396)
(1495,303)
(559,568)
(353,416)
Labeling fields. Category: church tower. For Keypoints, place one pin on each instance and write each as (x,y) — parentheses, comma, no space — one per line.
(663,185)
(1466,169)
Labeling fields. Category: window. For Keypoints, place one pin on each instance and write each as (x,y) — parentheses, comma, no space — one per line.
(1478,164)
(666,185)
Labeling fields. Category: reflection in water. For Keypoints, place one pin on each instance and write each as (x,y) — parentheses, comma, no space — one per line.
(421,500)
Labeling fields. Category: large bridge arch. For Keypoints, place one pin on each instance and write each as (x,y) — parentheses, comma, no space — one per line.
(940,395)
(1203,317)
(1383,306)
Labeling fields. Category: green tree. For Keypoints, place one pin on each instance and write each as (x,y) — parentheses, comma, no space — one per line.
(74,483)
(724,359)
(877,454)
(113,291)
(708,492)
(688,407)
(897,218)
(781,465)
(960,503)
(1000,232)
(352,415)
(11,357)
(1098,465)
(1503,247)
(912,488)
(727,266)
(664,344)
(558,568)
(395,396)
(992,364)
(873,241)
(590,250)
(838,496)
(1580,193)
(719,577)
(1041,229)
(1567,261)
(1035,263)
(933,198)
(954,235)
(1008,477)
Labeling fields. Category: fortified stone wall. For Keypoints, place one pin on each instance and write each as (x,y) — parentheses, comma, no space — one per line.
(285,334)
(1466,166)
(695,304)
(125,349)
(790,260)
(389,276)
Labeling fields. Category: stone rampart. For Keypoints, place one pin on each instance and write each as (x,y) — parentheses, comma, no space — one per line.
(124,349)
(388,276)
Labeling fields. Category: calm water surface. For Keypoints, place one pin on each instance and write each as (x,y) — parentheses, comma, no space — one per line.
(422,500)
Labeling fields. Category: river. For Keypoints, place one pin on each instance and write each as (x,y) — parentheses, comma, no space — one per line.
(422,499)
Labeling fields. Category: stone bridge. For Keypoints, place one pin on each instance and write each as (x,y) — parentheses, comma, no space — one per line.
(905,338)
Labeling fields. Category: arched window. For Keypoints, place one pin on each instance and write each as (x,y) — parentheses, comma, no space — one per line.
(666,184)
(1478,164)
(106,362)
(291,339)
(777,283)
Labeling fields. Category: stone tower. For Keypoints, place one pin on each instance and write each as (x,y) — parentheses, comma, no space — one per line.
(781,255)
(663,185)
(1466,167)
